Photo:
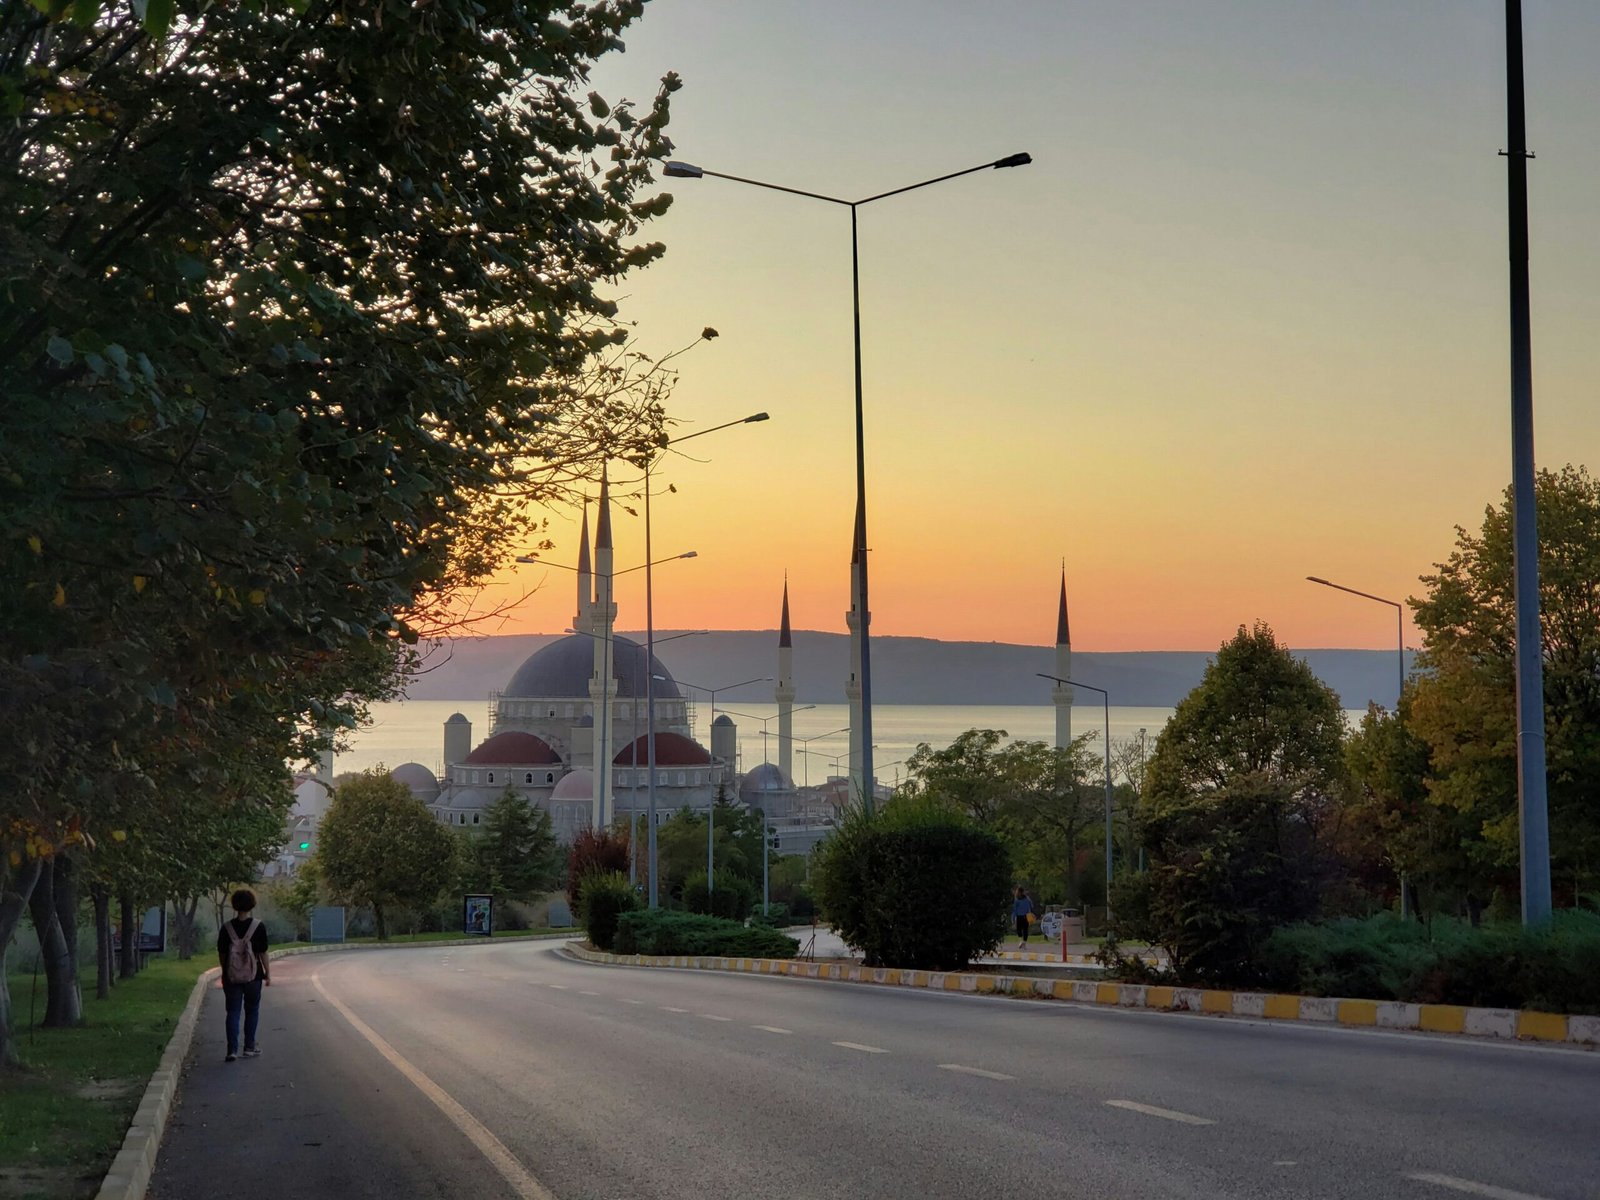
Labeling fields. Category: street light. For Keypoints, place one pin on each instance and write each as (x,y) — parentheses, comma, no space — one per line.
(1106,697)
(1399,628)
(765,721)
(535,560)
(683,170)
(650,634)
(805,747)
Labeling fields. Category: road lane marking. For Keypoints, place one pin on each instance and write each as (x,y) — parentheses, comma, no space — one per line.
(583,993)
(860,1047)
(625,1000)
(772,1028)
(714,1017)
(974,1071)
(1468,1186)
(1168,1114)
(560,987)
(491,1147)
(669,1008)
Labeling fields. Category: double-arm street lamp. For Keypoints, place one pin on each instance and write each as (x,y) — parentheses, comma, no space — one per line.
(805,748)
(1399,629)
(1105,696)
(765,721)
(650,634)
(683,170)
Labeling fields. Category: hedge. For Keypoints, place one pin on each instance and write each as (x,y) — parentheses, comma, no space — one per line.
(659,931)
(606,896)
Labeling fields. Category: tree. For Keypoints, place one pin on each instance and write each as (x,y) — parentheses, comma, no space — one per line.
(595,851)
(1464,705)
(380,847)
(513,855)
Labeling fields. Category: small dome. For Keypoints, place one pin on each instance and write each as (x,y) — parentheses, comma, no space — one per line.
(764,780)
(466,798)
(724,719)
(574,785)
(672,750)
(514,748)
(456,719)
(418,778)
(563,670)
(586,721)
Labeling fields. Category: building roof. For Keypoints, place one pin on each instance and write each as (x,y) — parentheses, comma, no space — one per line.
(574,785)
(456,719)
(416,777)
(722,719)
(562,670)
(672,750)
(513,748)
(765,779)
(602,528)
(466,798)
(1063,633)
(785,640)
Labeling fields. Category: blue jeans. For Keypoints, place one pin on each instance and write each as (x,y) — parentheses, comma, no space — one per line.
(248,997)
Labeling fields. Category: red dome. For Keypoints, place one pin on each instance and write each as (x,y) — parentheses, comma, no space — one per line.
(514,749)
(672,750)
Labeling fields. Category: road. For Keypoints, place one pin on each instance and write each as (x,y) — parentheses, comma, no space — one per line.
(511,1071)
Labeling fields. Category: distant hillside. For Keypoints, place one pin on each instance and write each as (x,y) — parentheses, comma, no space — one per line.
(904,670)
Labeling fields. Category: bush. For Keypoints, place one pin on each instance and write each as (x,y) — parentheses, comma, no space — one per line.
(607,896)
(775,917)
(917,885)
(594,850)
(660,931)
(731,898)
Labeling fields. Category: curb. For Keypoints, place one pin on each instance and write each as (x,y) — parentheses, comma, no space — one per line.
(1502,1023)
(130,1171)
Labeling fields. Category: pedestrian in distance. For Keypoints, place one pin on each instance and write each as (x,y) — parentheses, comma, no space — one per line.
(1022,912)
(242,950)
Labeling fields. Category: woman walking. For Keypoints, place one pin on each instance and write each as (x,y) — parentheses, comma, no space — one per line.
(1022,912)
(242,950)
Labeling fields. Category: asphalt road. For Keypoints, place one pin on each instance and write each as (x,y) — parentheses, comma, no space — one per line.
(511,1071)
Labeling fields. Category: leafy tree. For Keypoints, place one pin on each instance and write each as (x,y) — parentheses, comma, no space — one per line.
(379,846)
(738,840)
(1464,706)
(513,855)
(603,850)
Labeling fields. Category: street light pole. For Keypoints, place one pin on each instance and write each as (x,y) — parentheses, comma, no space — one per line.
(684,170)
(1399,628)
(650,641)
(1105,697)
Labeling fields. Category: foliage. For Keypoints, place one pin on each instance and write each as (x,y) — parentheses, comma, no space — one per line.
(681,846)
(513,855)
(378,845)
(606,896)
(660,931)
(594,851)
(918,884)
(732,897)
(1553,969)
(1464,707)
(774,916)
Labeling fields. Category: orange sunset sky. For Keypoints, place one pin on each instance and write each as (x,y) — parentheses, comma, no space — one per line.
(1243,320)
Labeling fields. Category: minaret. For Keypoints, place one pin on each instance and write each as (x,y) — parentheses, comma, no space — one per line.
(852,691)
(580,622)
(1061,694)
(602,622)
(784,692)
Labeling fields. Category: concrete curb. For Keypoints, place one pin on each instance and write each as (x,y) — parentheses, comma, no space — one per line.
(131,1169)
(1421,1018)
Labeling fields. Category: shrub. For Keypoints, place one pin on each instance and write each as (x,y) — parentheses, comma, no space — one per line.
(732,897)
(594,850)
(607,895)
(660,931)
(775,917)
(917,885)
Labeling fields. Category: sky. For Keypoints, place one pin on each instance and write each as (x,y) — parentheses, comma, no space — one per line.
(1242,321)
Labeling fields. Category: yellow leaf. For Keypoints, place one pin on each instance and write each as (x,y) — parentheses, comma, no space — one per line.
(119,835)
(35,544)
(139,581)
(257,596)
(60,599)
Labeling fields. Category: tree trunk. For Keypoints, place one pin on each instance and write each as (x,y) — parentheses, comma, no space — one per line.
(183,920)
(63,1006)
(377,920)
(130,939)
(100,897)
(16,888)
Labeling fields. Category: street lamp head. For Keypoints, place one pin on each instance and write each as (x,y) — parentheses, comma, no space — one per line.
(1011,160)
(754,417)
(1317,579)
(682,170)
(690,554)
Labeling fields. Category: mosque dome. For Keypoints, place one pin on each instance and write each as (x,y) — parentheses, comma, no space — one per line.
(724,719)
(766,780)
(422,782)
(574,785)
(513,748)
(457,719)
(563,670)
(469,798)
(672,750)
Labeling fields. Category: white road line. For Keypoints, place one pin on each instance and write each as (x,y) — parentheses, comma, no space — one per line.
(1168,1114)
(1468,1186)
(714,1017)
(625,1000)
(491,1147)
(772,1028)
(860,1047)
(974,1071)
(583,993)
(560,987)
(669,1008)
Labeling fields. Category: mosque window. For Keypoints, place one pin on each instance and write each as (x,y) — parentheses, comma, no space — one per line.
(680,778)
(474,818)
(528,778)
(550,777)
(552,712)
(491,776)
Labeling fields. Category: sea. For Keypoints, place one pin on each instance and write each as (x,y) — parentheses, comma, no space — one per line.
(413,731)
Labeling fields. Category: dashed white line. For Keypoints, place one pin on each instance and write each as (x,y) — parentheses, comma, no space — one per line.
(862,1048)
(1166,1114)
(979,1071)
(669,1008)
(625,1000)
(560,987)
(584,993)
(1469,1187)
(714,1017)
(772,1028)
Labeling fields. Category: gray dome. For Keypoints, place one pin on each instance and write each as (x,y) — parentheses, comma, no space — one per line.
(563,669)
(466,798)
(456,719)
(418,778)
(764,780)
(724,719)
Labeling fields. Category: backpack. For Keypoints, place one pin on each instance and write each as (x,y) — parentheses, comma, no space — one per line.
(242,963)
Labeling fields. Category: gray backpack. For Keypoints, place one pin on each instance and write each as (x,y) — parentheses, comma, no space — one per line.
(242,962)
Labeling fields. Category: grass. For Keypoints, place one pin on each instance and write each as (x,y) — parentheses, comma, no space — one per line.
(63,1113)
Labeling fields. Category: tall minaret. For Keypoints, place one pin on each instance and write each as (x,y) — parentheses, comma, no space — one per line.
(602,622)
(784,692)
(1061,694)
(580,622)
(855,619)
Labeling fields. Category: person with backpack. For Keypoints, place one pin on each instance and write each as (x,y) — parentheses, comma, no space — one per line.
(242,950)
(1022,912)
